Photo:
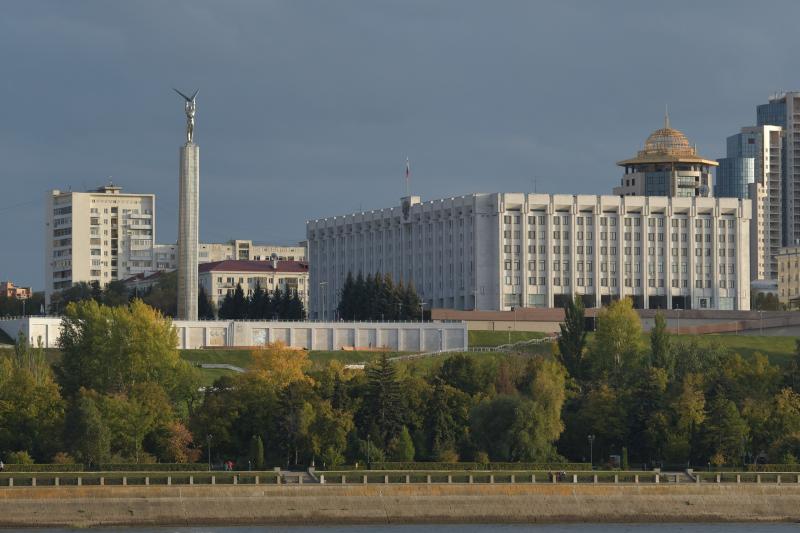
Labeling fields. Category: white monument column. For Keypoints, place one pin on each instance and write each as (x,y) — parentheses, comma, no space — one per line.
(188,218)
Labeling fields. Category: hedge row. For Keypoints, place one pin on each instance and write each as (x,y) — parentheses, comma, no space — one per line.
(413,465)
(43,468)
(121,467)
(152,467)
(773,468)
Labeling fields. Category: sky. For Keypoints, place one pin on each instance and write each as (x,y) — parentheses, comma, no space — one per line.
(309,108)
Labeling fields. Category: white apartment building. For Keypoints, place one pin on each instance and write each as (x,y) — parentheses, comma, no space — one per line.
(220,278)
(495,251)
(166,255)
(102,235)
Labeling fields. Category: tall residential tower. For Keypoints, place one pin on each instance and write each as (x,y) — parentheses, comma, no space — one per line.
(783,110)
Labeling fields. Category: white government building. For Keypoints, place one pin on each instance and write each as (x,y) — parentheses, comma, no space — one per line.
(495,251)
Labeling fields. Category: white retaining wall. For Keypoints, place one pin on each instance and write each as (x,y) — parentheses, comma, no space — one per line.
(399,336)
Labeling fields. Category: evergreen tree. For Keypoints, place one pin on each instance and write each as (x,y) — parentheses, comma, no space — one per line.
(572,341)
(359,306)
(257,304)
(410,303)
(239,303)
(226,310)
(276,303)
(256,454)
(382,400)
(441,427)
(346,302)
(205,307)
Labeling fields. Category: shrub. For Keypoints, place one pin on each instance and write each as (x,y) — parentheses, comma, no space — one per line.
(63,458)
(20,458)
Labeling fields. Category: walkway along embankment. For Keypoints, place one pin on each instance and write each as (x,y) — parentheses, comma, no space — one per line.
(349,504)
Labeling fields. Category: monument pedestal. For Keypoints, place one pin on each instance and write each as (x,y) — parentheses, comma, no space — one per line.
(188,231)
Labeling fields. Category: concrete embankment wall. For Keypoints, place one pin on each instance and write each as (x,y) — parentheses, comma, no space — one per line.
(330,504)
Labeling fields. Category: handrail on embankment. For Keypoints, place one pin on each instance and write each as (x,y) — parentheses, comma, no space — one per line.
(67,479)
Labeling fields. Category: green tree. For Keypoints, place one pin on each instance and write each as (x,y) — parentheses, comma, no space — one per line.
(461,371)
(617,344)
(112,349)
(724,432)
(294,418)
(256,455)
(661,345)
(402,448)
(163,296)
(572,341)
(31,406)
(87,432)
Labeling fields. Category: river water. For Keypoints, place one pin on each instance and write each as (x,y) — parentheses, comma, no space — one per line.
(468,528)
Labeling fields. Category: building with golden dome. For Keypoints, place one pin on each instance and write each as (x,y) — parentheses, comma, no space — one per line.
(668,166)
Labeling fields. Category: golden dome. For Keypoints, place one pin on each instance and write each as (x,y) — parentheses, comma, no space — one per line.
(667,141)
(667,145)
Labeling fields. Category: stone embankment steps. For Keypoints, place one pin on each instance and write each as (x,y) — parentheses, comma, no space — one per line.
(289,477)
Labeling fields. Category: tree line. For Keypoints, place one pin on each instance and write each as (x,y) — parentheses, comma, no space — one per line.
(262,305)
(120,392)
(162,296)
(22,307)
(673,400)
(377,298)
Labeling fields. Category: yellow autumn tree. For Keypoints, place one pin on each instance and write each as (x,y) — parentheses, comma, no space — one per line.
(278,365)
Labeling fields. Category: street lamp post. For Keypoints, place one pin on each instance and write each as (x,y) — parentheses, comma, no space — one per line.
(591,450)
(322,296)
(514,308)
(509,334)
(761,321)
(208,439)
(422,311)
(368,446)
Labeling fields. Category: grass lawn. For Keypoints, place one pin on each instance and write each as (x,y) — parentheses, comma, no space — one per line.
(209,375)
(779,350)
(496,338)
(240,358)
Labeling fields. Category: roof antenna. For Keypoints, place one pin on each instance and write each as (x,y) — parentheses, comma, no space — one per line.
(666,116)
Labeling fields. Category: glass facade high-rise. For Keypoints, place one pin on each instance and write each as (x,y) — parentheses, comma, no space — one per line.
(734,177)
(736,172)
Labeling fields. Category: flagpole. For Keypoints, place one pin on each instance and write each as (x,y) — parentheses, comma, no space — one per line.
(408,178)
